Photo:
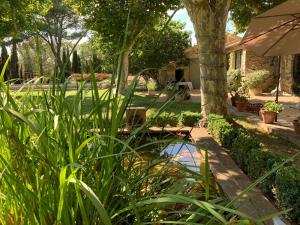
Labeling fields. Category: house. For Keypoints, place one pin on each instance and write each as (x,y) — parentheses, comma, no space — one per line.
(237,58)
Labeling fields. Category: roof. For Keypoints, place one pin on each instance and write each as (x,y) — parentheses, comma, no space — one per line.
(232,41)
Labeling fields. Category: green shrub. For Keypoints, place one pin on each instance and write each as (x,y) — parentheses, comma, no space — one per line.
(256,79)
(255,161)
(165,119)
(223,131)
(151,85)
(234,80)
(241,148)
(189,119)
(287,183)
(273,107)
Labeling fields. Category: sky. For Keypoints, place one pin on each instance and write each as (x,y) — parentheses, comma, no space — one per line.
(183,16)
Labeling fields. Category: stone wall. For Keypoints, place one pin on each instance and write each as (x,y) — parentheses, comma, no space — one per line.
(286,82)
(254,63)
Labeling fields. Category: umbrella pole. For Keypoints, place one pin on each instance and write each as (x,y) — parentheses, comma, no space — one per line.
(278,81)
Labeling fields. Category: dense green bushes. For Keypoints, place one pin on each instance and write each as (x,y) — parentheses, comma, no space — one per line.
(245,149)
(222,130)
(188,119)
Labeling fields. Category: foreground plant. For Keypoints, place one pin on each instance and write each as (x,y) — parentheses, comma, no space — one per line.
(61,165)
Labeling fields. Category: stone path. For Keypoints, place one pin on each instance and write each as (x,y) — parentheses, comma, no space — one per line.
(283,128)
(231,179)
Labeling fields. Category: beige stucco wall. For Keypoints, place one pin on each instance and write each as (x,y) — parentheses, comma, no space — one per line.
(167,73)
(195,73)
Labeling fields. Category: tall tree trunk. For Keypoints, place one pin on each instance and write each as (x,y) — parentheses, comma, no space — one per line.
(125,70)
(14,61)
(209,18)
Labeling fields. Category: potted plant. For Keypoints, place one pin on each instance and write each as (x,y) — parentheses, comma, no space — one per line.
(151,86)
(296,124)
(241,103)
(255,81)
(234,80)
(270,111)
(170,90)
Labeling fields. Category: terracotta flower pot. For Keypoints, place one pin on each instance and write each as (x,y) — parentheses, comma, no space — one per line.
(267,116)
(241,106)
(297,126)
(255,91)
(151,93)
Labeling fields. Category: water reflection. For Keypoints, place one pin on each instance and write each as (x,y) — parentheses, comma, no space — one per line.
(185,154)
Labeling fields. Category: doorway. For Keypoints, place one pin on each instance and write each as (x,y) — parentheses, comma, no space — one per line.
(296,75)
(179,75)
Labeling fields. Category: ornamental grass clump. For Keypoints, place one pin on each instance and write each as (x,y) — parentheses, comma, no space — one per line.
(61,164)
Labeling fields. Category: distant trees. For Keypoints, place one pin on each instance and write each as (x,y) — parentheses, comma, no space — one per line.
(122,22)
(56,23)
(76,63)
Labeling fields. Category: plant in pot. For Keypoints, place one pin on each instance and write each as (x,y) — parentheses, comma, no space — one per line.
(170,91)
(151,86)
(234,80)
(255,81)
(270,111)
(296,124)
(241,103)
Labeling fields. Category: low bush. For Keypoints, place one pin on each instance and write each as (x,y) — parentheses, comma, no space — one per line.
(255,161)
(189,119)
(287,183)
(256,78)
(223,131)
(165,119)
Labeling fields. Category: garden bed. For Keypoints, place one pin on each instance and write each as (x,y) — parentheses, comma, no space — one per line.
(283,185)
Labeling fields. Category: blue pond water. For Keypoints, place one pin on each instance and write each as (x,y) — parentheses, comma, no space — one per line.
(185,154)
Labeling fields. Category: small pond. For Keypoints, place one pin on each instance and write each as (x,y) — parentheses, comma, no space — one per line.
(185,154)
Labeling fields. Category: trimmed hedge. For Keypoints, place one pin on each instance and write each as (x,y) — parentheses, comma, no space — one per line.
(165,119)
(255,161)
(223,131)
(287,183)
(189,119)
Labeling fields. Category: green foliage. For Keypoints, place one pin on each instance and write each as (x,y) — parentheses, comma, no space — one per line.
(242,11)
(165,119)
(76,64)
(248,153)
(151,85)
(273,107)
(189,119)
(3,59)
(159,45)
(223,131)
(287,191)
(234,80)
(256,79)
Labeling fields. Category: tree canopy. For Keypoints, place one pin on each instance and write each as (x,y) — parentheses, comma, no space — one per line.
(242,11)
(165,44)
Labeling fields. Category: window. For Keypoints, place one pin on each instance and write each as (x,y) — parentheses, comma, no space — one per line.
(238,59)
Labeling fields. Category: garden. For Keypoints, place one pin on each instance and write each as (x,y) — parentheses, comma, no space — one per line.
(89,133)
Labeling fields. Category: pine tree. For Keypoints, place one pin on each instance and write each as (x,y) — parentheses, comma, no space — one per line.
(4,57)
(76,66)
(74,62)
(68,67)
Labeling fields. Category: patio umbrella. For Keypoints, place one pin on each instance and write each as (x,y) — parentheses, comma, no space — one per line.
(275,33)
